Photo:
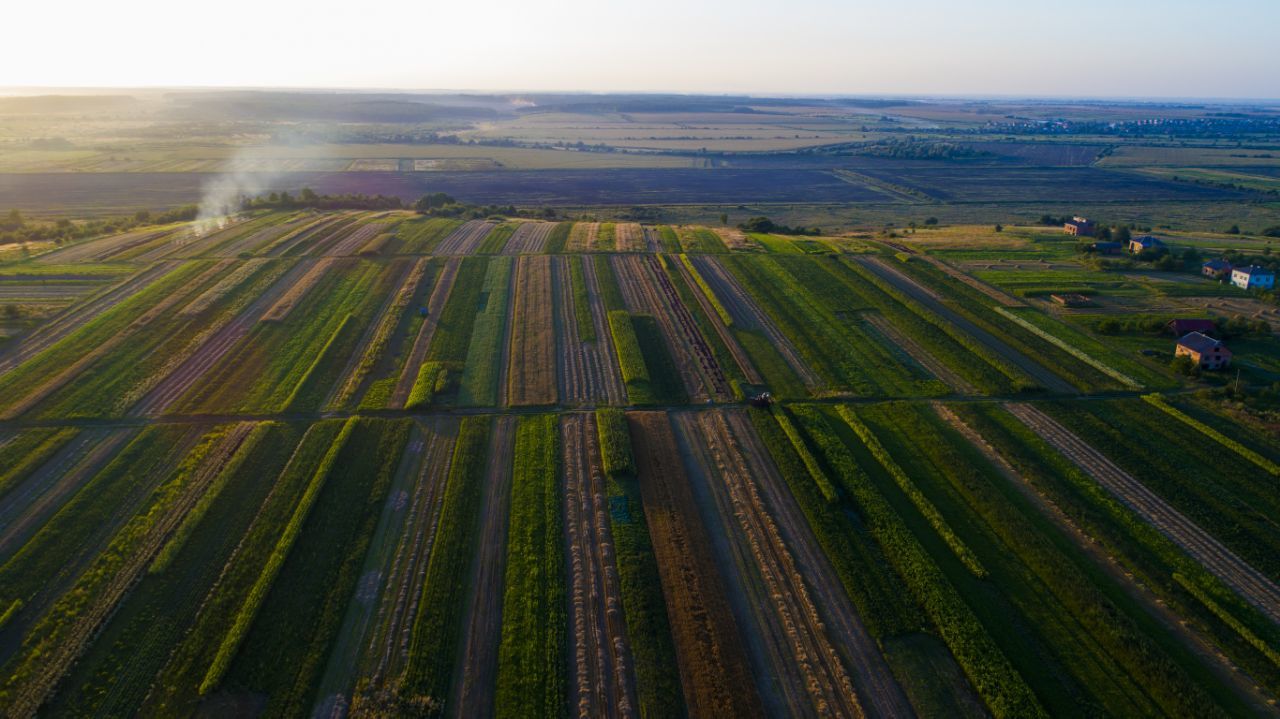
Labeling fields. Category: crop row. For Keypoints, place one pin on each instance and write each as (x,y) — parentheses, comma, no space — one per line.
(479,383)
(437,629)
(707,291)
(1001,687)
(432,378)
(393,316)
(178,685)
(581,301)
(908,487)
(1267,465)
(1138,546)
(532,654)
(27,452)
(658,691)
(285,651)
(630,358)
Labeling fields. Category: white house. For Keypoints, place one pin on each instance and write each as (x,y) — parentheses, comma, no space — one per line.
(1253,278)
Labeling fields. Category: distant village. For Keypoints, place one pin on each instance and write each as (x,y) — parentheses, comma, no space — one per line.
(1195,339)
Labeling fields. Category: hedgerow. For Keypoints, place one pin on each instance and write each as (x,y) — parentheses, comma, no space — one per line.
(615,442)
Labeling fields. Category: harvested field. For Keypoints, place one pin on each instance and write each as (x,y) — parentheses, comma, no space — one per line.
(648,290)
(801,646)
(283,306)
(466,239)
(710,651)
(587,371)
(254,241)
(582,237)
(919,354)
(531,376)
(223,286)
(474,685)
(1254,586)
(435,305)
(652,240)
(629,237)
(530,238)
(97,249)
(601,676)
(291,243)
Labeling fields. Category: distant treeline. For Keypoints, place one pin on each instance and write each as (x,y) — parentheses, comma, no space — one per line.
(911,150)
(767,226)
(309,199)
(16,229)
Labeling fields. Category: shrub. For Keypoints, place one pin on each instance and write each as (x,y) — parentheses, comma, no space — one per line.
(615,442)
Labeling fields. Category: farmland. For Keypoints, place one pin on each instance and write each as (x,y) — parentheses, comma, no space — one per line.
(377,463)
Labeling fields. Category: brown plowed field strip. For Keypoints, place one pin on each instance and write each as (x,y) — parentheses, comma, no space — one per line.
(186,374)
(745,312)
(737,240)
(435,305)
(710,654)
(531,376)
(466,239)
(1224,564)
(601,677)
(475,684)
(610,375)
(629,237)
(103,603)
(79,315)
(930,299)
(800,639)
(530,238)
(646,289)
(388,650)
(96,249)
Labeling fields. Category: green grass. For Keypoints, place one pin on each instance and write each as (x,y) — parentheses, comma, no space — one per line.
(670,240)
(532,657)
(581,301)
(479,383)
(453,333)
(665,384)
(630,358)
(257,594)
(27,452)
(496,240)
(421,235)
(559,235)
(179,682)
(610,293)
(284,653)
(115,675)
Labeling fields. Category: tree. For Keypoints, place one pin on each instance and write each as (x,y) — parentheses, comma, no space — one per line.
(308,195)
(142,217)
(999,227)
(1121,234)
(13,221)
(12,311)
(724,218)
(931,221)
(1233,230)
(1184,365)
(1273,231)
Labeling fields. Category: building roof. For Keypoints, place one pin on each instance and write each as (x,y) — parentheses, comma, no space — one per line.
(1197,342)
(1183,326)
(1106,245)
(1217,265)
(1254,270)
(1148,241)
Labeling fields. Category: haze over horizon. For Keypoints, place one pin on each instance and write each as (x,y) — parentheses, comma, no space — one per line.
(1135,49)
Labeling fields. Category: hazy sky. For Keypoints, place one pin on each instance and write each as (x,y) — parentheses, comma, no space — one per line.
(1205,48)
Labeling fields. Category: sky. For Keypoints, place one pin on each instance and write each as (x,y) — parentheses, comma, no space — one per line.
(1077,48)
